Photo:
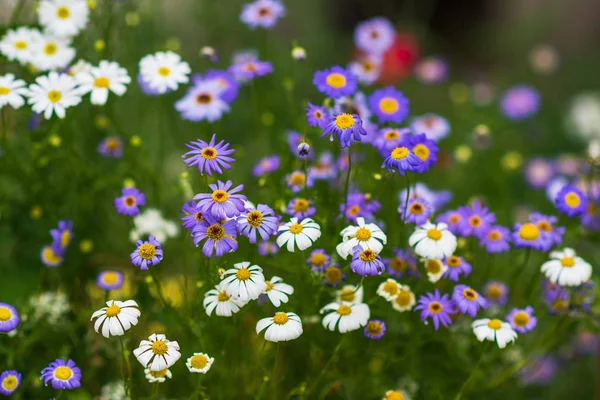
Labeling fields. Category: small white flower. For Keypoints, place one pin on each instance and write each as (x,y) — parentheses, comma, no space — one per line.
(151,222)
(222,303)
(282,327)
(277,291)
(404,300)
(113,391)
(432,125)
(116,318)
(389,289)
(80,67)
(349,294)
(164,71)
(203,102)
(12,91)
(51,52)
(301,234)
(566,269)
(199,363)
(53,94)
(17,44)
(107,76)
(157,376)
(368,236)
(298,53)
(244,282)
(433,241)
(345,317)
(435,269)
(263,13)
(157,353)
(494,330)
(63,17)
(367,68)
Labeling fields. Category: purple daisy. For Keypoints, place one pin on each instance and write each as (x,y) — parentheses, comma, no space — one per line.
(333,276)
(389,104)
(318,260)
(571,201)
(436,307)
(9,318)
(208,156)
(418,211)
(222,202)
(335,82)
(301,208)
(359,205)
(401,159)
(323,168)
(467,300)
(437,198)
(261,219)
(556,297)
(317,116)
(522,320)
(110,280)
(539,172)
(452,218)
(193,216)
(147,253)
(111,147)
(297,180)
(203,102)
(347,128)
(366,262)
(267,248)
(129,202)
(528,236)
(230,87)
(424,148)
(64,375)
(9,382)
(375,329)
(476,220)
(457,267)
(551,234)
(402,265)
(520,102)
(250,69)
(496,292)
(62,236)
(220,237)
(540,371)
(388,139)
(266,165)
(496,239)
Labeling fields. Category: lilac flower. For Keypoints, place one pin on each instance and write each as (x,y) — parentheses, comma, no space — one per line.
(297,180)
(424,148)
(203,101)
(335,82)
(129,202)
(9,318)
(301,208)
(193,216)
(522,320)
(402,265)
(556,297)
(571,201)
(266,165)
(61,237)
(229,86)
(402,160)
(317,116)
(334,276)
(375,35)
(457,266)
(250,69)
(520,102)
(476,220)
(389,104)
(262,13)
(267,248)
(208,157)
(10,381)
(496,239)
(437,198)
(366,262)
(319,260)
(388,139)
(359,205)
(261,219)
(110,280)
(147,253)
(539,171)
(431,70)
(540,371)
(452,218)
(418,211)
(375,329)
(467,300)
(63,375)
(590,220)
(223,202)
(496,292)
(347,128)
(111,146)
(324,168)
(220,237)
(436,307)
(550,233)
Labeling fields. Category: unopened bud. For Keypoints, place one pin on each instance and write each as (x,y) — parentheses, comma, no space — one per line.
(298,53)
(209,53)
(303,149)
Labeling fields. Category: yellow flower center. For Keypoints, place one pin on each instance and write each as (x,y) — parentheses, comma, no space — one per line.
(203,98)
(280,318)
(494,235)
(388,105)
(159,374)
(199,361)
(113,143)
(494,291)
(567,262)
(391,135)
(521,318)
(394,395)
(101,82)
(50,256)
(434,234)
(421,151)
(50,48)
(344,310)
(363,234)
(572,199)
(129,201)
(110,278)
(209,153)
(592,209)
(164,71)
(243,274)
(336,80)
(220,196)
(354,210)
(296,228)
(433,267)
(435,307)
(470,294)
(398,264)
(147,251)
(223,296)
(300,205)
(215,232)
(297,178)
(250,67)
(4,314)
(63,12)
(399,153)
(403,298)
(4,90)
(374,328)
(391,287)
(113,310)
(10,383)
(495,324)
(454,219)
(474,221)
(54,96)
(263,12)
(544,226)
(255,218)
(348,294)
(20,45)
(416,208)
(344,121)
(65,238)
(453,262)
(63,373)
(159,347)
(269,286)
(318,259)
(333,275)
(368,255)
(529,232)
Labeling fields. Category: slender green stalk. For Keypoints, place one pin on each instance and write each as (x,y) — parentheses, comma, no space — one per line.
(15,13)
(347,184)
(326,367)
(472,375)
(407,195)
(125,368)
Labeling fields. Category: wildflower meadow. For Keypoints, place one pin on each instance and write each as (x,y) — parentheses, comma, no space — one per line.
(278,199)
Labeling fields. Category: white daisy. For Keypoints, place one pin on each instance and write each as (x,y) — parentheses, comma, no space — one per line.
(79,67)
(301,234)
(107,76)
(435,269)
(277,291)
(244,282)
(368,236)
(164,71)
(222,303)
(349,294)
(157,353)
(282,327)
(51,52)
(566,269)
(157,376)
(367,68)
(389,289)
(17,44)
(494,330)
(116,318)
(53,94)
(203,102)
(345,317)
(404,300)
(12,91)
(199,363)
(433,241)
(63,17)
(432,125)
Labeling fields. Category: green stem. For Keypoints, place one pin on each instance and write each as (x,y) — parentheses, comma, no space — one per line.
(15,13)
(125,368)
(347,184)
(407,196)
(326,367)
(472,375)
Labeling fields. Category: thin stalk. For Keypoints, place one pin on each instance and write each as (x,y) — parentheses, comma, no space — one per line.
(347,184)
(472,375)
(407,196)
(326,367)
